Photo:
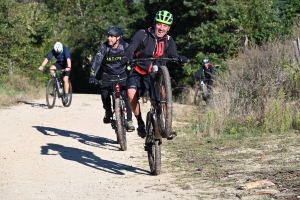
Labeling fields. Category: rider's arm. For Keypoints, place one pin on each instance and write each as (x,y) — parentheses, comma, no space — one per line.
(198,72)
(135,41)
(67,56)
(172,50)
(98,60)
(69,63)
(44,63)
(48,57)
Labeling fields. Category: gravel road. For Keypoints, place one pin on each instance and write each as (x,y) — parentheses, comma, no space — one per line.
(68,153)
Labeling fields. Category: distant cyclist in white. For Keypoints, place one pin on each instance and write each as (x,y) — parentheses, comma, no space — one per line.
(63,61)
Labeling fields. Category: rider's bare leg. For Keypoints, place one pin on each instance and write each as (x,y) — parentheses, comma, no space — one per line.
(135,105)
(52,69)
(133,101)
(66,84)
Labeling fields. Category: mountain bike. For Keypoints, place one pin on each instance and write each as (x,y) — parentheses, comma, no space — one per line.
(202,92)
(159,117)
(119,119)
(55,87)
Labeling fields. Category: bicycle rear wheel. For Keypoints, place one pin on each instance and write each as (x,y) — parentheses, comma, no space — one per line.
(68,103)
(164,94)
(198,96)
(152,146)
(205,92)
(121,126)
(51,93)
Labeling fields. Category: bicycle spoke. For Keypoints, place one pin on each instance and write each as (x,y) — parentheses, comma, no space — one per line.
(164,95)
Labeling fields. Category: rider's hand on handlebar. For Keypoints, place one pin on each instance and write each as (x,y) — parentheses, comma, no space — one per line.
(92,80)
(41,68)
(124,60)
(183,60)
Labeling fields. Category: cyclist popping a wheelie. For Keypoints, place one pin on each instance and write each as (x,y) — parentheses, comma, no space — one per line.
(147,43)
(146,57)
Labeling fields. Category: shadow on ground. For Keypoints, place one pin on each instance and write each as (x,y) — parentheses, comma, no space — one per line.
(89,159)
(37,105)
(91,140)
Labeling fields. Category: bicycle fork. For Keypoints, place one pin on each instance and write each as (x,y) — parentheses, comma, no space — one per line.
(117,94)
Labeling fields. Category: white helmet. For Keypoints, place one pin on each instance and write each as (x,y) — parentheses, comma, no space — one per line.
(58,47)
(206,60)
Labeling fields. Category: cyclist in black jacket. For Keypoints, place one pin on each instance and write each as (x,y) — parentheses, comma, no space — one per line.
(152,42)
(109,57)
(209,73)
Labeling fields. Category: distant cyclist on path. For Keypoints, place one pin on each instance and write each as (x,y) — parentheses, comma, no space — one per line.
(63,61)
(209,73)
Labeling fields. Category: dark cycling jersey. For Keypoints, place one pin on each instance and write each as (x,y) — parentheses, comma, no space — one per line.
(61,58)
(154,47)
(109,59)
(208,72)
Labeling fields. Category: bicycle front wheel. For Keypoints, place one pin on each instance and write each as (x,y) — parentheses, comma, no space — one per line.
(68,103)
(164,94)
(51,93)
(152,146)
(121,126)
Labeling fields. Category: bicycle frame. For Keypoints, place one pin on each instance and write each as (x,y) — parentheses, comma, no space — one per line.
(159,117)
(119,120)
(59,82)
(116,93)
(56,85)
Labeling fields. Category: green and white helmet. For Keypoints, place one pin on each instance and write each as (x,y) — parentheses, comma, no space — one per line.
(164,16)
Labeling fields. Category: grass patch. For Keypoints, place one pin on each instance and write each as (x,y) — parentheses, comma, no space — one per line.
(227,161)
(17,88)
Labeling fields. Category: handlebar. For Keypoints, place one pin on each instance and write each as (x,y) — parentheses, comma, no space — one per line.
(136,61)
(100,82)
(48,70)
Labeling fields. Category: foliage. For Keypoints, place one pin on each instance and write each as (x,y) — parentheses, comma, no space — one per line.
(201,28)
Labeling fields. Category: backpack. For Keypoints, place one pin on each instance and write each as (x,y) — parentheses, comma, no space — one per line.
(145,42)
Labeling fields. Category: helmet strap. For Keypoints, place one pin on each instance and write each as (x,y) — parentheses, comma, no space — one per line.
(116,41)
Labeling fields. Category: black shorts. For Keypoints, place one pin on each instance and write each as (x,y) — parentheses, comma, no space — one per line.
(109,85)
(58,66)
(140,83)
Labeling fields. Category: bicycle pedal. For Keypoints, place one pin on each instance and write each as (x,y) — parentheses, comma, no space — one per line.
(172,136)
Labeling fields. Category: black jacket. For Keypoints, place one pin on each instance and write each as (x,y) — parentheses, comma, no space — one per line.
(208,72)
(109,59)
(143,45)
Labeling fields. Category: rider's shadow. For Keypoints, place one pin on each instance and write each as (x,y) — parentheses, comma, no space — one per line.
(83,138)
(35,105)
(89,159)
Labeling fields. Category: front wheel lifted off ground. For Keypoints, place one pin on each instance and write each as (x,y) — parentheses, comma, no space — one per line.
(164,94)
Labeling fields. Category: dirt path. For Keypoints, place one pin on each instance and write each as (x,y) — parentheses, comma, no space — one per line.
(45,155)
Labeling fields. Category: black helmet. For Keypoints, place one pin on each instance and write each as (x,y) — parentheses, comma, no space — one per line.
(114,30)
